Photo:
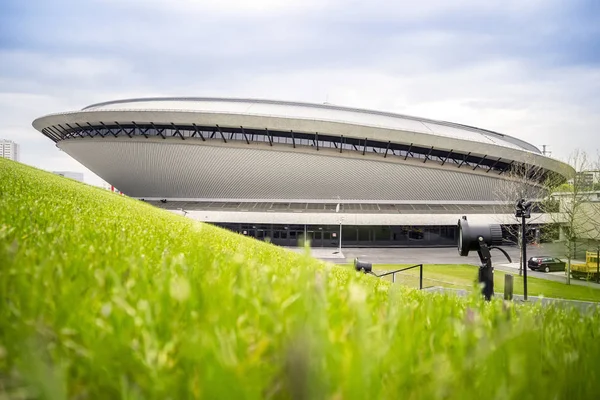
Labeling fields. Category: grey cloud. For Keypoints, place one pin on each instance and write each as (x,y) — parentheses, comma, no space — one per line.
(459,61)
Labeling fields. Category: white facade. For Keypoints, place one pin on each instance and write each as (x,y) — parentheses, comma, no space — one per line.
(263,162)
(247,149)
(9,149)
(589,177)
(123,118)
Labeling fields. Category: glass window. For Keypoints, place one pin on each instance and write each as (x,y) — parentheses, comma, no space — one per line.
(416,234)
(364,233)
(349,233)
(382,233)
(399,235)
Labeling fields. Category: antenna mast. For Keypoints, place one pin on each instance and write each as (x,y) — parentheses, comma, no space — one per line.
(544,152)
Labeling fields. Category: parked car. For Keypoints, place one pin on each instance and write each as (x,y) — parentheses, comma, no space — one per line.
(546,264)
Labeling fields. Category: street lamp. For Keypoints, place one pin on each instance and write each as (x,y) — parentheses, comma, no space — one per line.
(523,210)
(337,210)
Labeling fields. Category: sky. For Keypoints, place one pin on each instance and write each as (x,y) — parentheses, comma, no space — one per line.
(526,68)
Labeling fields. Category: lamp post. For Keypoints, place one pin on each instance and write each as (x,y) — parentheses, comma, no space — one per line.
(523,210)
(337,210)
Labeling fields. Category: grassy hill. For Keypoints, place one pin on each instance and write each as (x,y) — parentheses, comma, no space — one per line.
(106,297)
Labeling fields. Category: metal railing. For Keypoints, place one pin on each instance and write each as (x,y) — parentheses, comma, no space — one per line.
(367,268)
(393,273)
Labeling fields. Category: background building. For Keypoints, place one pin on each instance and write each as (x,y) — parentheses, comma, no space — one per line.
(583,208)
(588,179)
(9,149)
(279,170)
(78,176)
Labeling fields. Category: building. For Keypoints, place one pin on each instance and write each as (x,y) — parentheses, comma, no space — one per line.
(588,179)
(584,210)
(78,176)
(279,170)
(9,149)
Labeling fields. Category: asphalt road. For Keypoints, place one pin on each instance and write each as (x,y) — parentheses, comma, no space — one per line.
(446,255)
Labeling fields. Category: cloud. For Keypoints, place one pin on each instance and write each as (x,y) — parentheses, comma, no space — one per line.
(528,69)
(557,109)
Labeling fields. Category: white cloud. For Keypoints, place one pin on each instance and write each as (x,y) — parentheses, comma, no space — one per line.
(556,108)
(252,8)
(399,9)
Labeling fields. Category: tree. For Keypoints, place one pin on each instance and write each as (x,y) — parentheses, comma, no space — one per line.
(578,217)
(523,181)
(589,217)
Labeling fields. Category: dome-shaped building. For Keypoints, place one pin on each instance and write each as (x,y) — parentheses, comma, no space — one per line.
(277,169)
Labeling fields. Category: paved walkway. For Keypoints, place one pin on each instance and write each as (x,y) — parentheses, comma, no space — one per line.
(588,306)
(550,276)
(323,253)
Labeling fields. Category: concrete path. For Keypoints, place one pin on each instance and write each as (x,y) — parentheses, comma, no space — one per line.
(587,306)
(322,253)
(416,255)
(550,276)
(442,255)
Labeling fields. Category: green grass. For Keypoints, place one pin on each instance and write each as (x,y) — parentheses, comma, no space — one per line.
(463,277)
(106,297)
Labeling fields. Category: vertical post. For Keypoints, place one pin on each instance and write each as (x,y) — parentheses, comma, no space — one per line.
(598,265)
(486,277)
(420,276)
(394,277)
(508,287)
(305,235)
(337,210)
(486,272)
(524,250)
(340,250)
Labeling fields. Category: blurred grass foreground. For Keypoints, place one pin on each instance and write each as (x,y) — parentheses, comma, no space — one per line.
(103,296)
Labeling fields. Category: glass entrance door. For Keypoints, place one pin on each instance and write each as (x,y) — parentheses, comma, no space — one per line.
(315,237)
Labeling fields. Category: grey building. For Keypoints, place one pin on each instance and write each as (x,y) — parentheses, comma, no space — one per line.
(9,149)
(278,170)
(78,176)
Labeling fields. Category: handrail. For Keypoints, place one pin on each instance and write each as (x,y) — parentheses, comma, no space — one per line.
(393,273)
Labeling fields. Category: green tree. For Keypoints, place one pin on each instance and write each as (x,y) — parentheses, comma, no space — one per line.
(523,181)
(577,217)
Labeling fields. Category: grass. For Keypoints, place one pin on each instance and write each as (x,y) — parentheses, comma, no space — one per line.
(463,277)
(106,297)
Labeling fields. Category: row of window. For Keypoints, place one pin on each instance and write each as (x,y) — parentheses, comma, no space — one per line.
(316,141)
(328,235)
